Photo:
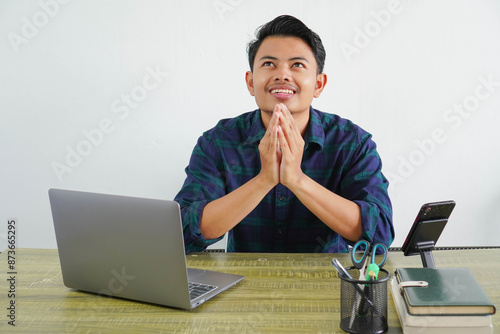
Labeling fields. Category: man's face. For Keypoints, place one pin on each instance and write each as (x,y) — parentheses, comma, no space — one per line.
(285,71)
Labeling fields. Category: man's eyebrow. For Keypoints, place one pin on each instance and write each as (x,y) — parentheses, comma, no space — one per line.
(291,59)
(268,57)
(299,58)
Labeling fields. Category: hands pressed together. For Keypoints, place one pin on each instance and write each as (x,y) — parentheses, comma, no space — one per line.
(281,149)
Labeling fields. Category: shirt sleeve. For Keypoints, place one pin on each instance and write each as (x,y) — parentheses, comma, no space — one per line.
(365,185)
(204,183)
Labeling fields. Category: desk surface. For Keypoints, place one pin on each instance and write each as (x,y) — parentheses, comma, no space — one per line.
(281,293)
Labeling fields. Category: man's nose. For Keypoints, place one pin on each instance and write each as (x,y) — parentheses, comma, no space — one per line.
(282,74)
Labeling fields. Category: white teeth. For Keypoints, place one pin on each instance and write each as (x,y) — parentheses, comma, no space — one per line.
(284,91)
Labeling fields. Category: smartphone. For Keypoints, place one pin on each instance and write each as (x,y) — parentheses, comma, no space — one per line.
(428,225)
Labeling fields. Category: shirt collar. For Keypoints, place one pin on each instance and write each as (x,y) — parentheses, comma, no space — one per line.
(315,134)
(257,129)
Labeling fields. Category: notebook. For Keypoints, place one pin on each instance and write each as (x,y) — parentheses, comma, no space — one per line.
(130,248)
(451,291)
(439,324)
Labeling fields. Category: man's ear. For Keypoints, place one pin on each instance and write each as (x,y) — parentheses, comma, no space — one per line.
(321,80)
(249,80)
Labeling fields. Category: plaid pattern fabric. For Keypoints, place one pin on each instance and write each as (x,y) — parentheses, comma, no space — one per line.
(338,155)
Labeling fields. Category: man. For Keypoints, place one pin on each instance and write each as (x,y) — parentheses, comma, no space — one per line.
(285,177)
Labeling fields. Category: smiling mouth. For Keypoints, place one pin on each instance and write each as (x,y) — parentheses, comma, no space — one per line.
(282,93)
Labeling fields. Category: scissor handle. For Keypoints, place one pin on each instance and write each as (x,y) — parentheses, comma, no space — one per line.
(358,263)
(384,252)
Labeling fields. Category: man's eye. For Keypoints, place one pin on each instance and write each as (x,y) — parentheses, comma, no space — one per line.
(267,63)
(298,65)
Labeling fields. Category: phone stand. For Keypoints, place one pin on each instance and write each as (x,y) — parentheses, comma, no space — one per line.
(423,238)
(425,250)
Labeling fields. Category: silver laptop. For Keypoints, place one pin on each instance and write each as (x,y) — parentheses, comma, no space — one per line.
(130,248)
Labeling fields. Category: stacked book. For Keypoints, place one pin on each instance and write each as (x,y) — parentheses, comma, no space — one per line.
(452,302)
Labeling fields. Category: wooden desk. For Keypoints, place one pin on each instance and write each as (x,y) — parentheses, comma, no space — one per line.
(281,293)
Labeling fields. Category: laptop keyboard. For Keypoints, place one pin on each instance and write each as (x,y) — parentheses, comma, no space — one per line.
(199,289)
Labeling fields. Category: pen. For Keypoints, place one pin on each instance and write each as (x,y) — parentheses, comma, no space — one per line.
(368,293)
(373,275)
(344,273)
(340,268)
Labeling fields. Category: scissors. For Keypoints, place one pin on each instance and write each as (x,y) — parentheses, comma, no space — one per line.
(367,259)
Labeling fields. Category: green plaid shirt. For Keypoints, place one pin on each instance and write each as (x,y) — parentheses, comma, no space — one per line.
(338,155)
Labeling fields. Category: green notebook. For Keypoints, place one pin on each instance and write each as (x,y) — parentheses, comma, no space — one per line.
(451,291)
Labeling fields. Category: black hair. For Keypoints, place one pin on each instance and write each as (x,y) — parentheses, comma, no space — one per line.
(286,25)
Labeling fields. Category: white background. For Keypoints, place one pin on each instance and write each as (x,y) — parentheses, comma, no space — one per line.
(401,70)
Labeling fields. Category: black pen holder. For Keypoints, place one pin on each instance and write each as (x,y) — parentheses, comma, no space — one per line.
(363,304)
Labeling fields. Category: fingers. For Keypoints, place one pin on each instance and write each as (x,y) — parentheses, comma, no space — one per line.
(281,148)
(290,159)
(291,120)
(268,148)
(269,139)
(283,142)
(290,131)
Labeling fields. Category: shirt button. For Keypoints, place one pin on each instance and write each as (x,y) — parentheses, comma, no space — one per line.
(280,231)
(281,198)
